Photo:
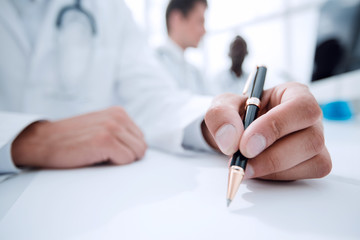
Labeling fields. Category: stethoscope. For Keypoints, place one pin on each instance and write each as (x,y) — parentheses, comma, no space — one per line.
(77,6)
(69,81)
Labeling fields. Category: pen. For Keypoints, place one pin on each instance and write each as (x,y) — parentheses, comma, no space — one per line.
(238,161)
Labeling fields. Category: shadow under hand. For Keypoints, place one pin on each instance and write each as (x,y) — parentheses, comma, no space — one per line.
(330,208)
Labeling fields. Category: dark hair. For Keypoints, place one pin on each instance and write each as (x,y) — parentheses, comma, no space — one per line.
(184,6)
(328,56)
(238,52)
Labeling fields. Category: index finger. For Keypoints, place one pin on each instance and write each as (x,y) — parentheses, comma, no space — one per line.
(224,123)
(291,108)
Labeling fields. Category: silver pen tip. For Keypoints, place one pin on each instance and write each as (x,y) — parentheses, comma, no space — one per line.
(228,202)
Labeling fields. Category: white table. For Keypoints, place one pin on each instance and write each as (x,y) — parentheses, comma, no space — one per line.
(169,197)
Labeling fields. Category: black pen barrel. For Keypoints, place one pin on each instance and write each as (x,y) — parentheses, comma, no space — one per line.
(259,82)
(239,160)
(251,113)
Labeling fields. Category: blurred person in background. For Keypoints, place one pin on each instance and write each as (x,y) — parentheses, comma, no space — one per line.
(185,27)
(328,57)
(232,80)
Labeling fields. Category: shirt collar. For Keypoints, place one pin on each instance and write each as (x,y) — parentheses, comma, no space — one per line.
(175,49)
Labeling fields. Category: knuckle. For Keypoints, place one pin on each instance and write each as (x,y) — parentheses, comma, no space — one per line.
(317,141)
(131,158)
(298,85)
(126,157)
(311,109)
(140,152)
(110,125)
(116,109)
(273,165)
(225,97)
(213,112)
(118,113)
(213,117)
(103,138)
(323,166)
(276,129)
(224,109)
(223,103)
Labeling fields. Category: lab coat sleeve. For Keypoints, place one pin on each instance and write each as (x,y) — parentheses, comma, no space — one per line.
(150,95)
(11,124)
(193,138)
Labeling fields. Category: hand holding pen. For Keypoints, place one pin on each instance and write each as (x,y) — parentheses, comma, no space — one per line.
(239,161)
(285,142)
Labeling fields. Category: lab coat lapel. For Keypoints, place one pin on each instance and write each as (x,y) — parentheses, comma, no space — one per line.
(13,23)
(46,39)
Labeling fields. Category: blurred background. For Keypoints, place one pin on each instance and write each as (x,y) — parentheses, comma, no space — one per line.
(282,34)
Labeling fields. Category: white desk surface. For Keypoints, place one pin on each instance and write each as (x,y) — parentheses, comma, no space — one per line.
(169,197)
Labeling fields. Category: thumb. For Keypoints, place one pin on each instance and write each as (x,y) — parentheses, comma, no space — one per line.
(224,123)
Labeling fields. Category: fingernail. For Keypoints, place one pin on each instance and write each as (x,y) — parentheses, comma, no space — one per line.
(255,145)
(249,172)
(225,138)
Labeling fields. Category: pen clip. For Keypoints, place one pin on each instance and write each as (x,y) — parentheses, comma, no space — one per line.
(250,79)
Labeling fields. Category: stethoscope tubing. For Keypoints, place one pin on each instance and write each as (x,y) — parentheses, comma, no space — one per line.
(77,6)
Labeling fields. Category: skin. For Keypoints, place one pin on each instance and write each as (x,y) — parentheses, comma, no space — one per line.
(104,136)
(187,31)
(289,128)
(289,121)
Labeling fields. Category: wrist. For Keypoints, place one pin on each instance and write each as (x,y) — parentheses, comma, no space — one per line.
(28,146)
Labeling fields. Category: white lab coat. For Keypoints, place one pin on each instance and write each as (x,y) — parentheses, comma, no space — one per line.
(186,75)
(227,82)
(70,72)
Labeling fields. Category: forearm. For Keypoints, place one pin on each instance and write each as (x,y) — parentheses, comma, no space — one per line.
(10,127)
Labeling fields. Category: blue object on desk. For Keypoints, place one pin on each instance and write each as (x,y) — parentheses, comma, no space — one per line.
(337,110)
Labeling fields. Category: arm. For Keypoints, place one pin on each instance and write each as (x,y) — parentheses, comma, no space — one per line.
(286,141)
(11,125)
(149,94)
(108,135)
(104,136)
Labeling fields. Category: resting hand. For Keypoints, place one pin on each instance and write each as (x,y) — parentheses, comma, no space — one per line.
(108,135)
(285,142)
